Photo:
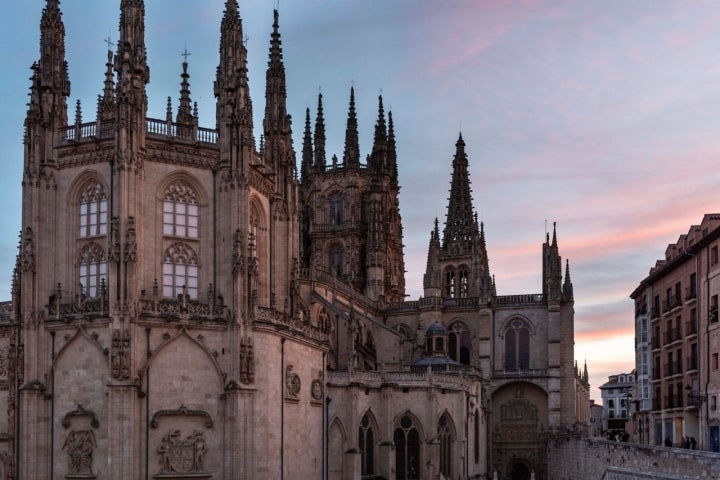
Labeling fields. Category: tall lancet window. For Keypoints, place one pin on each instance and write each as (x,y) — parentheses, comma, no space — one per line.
(180,271)
(366,441)
(446,437)
(517,346)
(459,344)
(93,211)
(463,283)
(336,257)
(450,283)
(336,209)
(407,449)
(180,211)
(93,270)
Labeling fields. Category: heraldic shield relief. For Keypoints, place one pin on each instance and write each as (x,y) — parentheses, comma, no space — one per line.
(182,457)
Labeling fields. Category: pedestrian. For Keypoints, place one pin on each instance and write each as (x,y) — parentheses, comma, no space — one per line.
(693,443)
(668,442)
(686,442)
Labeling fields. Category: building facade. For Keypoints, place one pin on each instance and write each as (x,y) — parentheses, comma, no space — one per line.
(677,342)
(185,305)
(617,397)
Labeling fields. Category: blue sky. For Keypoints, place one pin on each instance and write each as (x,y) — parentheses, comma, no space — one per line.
(601,115)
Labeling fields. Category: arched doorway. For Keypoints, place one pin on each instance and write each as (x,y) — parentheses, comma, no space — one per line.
(518,470)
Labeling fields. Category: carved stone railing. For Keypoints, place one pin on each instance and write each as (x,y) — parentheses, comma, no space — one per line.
(528,299)
(308,330)
(98,307)
(182,308)
(92,130)
(377,379)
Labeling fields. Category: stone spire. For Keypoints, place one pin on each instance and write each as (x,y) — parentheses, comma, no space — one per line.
(307,152)
(351,157)
(379,150)
(185,115)
(233,110)
(431,279)
(132,55)
(106,101)
(133,74)
(50,82)
(568,295)
(552,268)
(391,151)
(460,226)
(275,90)
(277,124)
(320,137)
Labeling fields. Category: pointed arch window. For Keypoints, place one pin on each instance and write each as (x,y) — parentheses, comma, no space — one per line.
(446,438)
(180,271)
(366,441)
(335,260)
(463,283)
(517,346)
(180,211)
(92,270)
(450,283)
(459,345)
(93,211)
(407,449)
(335,212)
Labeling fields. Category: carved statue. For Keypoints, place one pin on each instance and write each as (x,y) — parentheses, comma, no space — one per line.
(292,383)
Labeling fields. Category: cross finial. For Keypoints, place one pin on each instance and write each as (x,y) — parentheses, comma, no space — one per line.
(185,54)
(245,40)
(109,42)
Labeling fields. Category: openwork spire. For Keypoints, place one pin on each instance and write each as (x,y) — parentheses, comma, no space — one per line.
(320,137)
(460,226)
(351,156)
(184,115)
(379,151)
(391,150)
(307,152)
(568,294)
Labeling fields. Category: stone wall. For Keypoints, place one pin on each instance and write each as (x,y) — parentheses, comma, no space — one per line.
(575,458)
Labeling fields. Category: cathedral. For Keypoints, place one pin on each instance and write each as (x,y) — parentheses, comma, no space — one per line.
(191,303)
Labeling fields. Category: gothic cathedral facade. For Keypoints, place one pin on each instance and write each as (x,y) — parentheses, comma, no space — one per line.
(188,304)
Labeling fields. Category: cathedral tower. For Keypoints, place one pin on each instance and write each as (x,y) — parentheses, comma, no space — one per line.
(458,264)
(351,211)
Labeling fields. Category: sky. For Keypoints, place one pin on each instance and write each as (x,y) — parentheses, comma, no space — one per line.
(602,116)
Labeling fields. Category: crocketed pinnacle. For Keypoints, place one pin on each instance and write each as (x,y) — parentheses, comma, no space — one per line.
(351,156)
(320,137)
(307,152)
(184,115)
(391,149)
(379,150)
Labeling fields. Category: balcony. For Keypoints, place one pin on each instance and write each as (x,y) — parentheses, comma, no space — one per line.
(690,293)
(670,303)
(691,362)
(674,401)
(673,368)
(656,404)
(672,335)
(691,328)
(655,343)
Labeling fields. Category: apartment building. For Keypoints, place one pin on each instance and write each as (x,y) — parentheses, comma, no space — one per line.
(677,342)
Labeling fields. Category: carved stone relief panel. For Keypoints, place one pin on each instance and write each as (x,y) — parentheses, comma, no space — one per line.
(292,384)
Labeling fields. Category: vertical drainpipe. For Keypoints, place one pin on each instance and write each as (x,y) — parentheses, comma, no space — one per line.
(467,435)
(707,344)
(52,409)
(282,408)
(324,423)
(147,406)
